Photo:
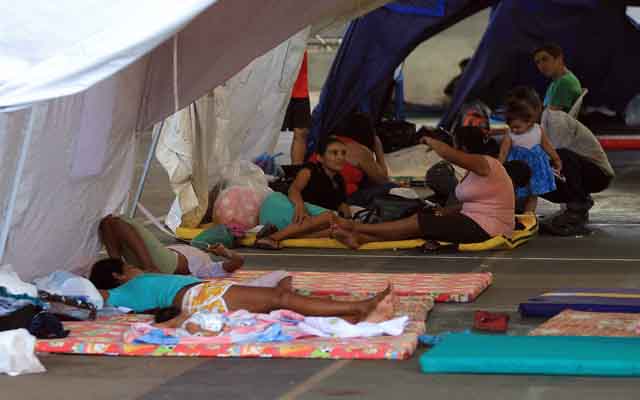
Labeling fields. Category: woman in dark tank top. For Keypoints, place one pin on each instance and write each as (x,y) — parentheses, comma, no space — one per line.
(317,192)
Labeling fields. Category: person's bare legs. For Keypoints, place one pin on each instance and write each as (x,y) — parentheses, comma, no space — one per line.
(299,145)
(116,233)
(355,234)
(263,300)
(309,226)
(530,204)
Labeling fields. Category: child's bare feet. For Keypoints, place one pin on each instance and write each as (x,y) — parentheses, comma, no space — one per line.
(286,283)
(347,238)
(383,306)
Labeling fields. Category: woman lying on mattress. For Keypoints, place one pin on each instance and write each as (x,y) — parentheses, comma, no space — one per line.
(127,240)
(123,285)
(486,194)
(317,192)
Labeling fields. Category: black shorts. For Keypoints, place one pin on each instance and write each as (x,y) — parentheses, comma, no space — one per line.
(457,228)
(298,114)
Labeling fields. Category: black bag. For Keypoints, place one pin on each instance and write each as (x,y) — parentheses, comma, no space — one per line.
(283,183)
(396,135)
(390,207)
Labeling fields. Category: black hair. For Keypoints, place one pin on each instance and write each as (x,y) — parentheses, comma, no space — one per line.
(521,97)
(521,110)
(359,127)
(472,140)
(166,314)
(519,172)
(551,48)
(102,273)
(326,142)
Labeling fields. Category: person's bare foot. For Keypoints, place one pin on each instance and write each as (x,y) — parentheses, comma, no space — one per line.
(286,283)
(384,310)
(345,237)
(345,224)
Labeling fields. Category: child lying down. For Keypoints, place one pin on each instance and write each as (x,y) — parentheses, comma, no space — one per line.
(242,326)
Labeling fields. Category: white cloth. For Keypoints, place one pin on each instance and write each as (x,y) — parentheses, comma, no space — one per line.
(338,327)
(10,280)
(17,355)
(200,263)
(528,139)
(206,320)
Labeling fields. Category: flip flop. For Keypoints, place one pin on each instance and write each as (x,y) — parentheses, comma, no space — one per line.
(266,244)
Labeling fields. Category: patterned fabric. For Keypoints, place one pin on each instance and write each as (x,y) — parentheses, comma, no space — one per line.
(580,323)
(444,288)
(206,296)
(542,178)
(105,337)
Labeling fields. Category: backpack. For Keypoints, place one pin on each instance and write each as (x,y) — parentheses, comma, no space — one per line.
(389,207)
(396,135)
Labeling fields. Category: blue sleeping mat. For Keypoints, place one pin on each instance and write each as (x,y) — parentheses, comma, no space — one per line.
(460,353)
(594,300)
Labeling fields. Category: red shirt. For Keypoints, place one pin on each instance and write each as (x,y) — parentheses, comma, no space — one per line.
(301,87)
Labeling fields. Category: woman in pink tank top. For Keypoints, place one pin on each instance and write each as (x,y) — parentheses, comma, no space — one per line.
(486,193)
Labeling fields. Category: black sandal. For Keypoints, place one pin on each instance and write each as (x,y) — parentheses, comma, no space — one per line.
(266,244)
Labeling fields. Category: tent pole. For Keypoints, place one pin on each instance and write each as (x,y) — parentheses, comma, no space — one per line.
(157,129)
(4,235)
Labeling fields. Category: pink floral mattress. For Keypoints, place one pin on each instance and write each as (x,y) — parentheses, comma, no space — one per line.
(104,337)
(581,323)
(444,288)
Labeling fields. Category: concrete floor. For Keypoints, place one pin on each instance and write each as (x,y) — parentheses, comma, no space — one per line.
(607,258)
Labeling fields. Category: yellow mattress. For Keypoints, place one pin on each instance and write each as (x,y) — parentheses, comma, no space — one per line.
(519,238)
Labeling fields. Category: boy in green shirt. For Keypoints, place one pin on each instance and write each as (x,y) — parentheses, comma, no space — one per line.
(565,88)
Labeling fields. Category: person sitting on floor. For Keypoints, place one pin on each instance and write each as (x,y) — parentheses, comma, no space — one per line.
(486,194)
(126,239)
(365,170)
(316,193)
(123,285)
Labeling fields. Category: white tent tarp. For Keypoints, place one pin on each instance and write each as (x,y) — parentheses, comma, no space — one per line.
(238,120)
(86,74)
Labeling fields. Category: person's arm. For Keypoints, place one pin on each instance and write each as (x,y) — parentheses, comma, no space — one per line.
(175,322)
(234,260)
(295,195)
(378,150)
(363,159)
(471,162)
(450,210)
(553,154)
(505,147)
(344,210)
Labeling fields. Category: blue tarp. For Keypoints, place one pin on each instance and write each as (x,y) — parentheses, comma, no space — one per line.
(373,46)
(600,42)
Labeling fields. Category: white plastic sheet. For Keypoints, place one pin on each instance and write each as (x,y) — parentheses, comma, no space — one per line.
(17,354)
